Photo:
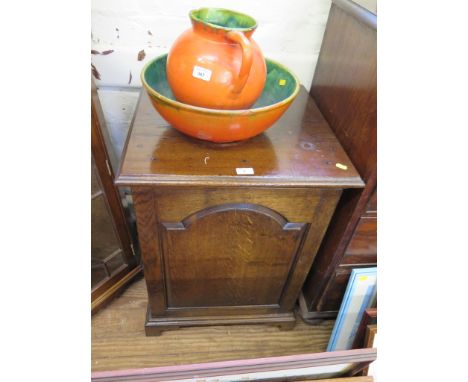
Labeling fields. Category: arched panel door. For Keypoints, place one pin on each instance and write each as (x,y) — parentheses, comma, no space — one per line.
(229,255)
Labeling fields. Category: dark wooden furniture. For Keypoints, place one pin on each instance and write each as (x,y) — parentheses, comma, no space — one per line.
(114,250)
(344,88)
(222,247)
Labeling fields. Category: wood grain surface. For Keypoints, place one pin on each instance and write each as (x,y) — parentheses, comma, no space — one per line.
(119,341)
(300,149)
(251,268)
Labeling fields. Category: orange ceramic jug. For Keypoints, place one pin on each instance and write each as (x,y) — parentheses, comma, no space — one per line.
(216,64)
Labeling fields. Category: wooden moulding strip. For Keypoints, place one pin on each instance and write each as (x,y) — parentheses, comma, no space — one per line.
(244,366)
(103,298)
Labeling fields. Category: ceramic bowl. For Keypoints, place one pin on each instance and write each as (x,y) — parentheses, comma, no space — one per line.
(216,125)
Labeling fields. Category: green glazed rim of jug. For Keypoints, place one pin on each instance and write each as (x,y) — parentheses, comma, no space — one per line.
(224,19)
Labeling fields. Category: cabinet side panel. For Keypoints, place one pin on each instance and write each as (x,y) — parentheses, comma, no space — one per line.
(322,215)
(146,214)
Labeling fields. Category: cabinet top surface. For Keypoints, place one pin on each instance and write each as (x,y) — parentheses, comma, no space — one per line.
(298,150)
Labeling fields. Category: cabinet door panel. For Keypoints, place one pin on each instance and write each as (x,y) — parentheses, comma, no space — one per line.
(232,254)
(214,250)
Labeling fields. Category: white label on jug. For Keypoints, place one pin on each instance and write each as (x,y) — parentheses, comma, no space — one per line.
(201,73)
(244,171)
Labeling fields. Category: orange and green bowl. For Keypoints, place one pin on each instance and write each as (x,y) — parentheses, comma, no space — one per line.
(215,125)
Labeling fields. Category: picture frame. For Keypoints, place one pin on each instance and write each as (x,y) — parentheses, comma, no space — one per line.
(369,341)
(360,294)
(314,366)
(370,335)
(369,317)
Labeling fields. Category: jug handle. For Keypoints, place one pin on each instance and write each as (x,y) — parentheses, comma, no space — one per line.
(247,58)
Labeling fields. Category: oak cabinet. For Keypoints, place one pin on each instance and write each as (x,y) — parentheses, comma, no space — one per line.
(222,247)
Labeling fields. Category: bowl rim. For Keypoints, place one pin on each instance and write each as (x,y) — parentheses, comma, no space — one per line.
(205,110)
